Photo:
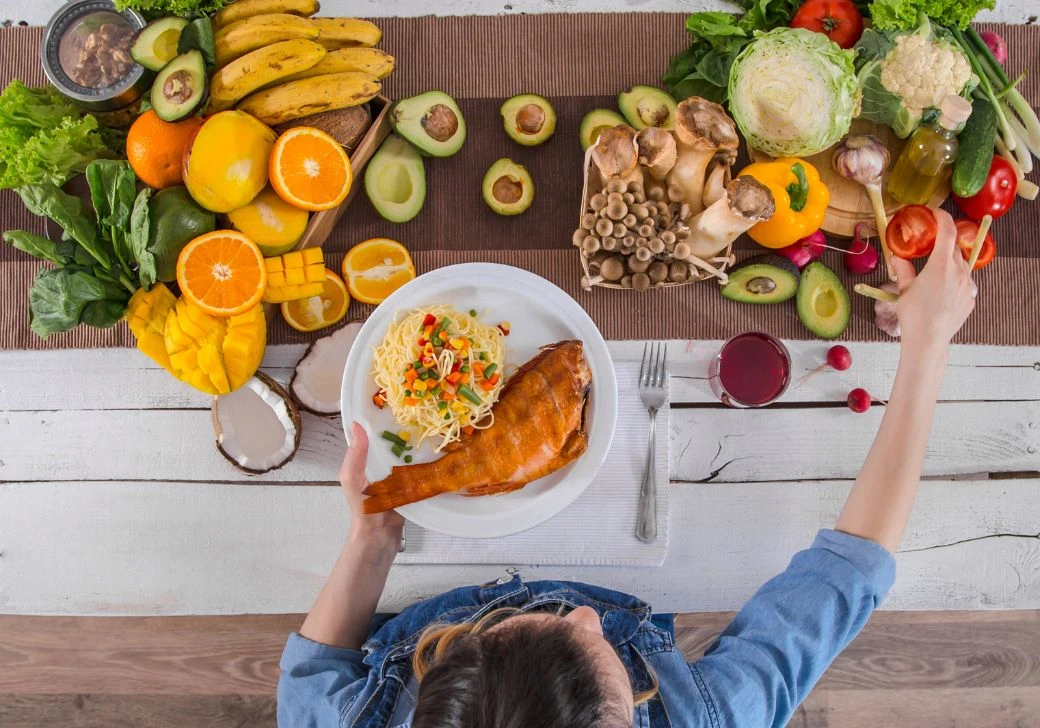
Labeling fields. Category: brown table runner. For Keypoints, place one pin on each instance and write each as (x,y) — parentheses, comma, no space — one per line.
(579,62)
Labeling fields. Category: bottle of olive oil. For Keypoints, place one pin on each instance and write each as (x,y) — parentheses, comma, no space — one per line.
(929,154)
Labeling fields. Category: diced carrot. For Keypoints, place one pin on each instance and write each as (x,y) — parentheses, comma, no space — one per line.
(411,401)
(378,400)
(410,375)
(468,430)
(487,386)
(478,367)
(454,377)
(465,378)
(447,396)
(494,379)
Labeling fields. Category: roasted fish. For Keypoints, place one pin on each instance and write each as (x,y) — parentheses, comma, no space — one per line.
(539,427)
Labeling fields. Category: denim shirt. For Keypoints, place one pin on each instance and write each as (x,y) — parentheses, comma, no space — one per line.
(757,672)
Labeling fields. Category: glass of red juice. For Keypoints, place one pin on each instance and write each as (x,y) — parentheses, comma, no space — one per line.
(751,370)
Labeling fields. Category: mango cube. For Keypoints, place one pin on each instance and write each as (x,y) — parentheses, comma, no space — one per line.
(295,275)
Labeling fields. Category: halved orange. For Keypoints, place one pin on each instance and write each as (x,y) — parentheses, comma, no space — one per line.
(222,273)
(309,169)
(317,312)
(376,268)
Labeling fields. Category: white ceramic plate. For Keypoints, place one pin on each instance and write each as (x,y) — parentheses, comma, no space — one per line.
(539,313)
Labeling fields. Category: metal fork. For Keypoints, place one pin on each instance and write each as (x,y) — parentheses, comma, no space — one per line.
(653,391)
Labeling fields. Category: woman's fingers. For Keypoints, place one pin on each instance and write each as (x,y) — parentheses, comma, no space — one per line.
(945,236)
(353,468)
(905,272)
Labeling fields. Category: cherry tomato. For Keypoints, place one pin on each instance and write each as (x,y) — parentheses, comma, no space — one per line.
(996,195)
(967,230)
(839,20)
(911,232)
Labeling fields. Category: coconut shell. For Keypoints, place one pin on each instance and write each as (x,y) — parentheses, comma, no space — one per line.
(294,415)
(306,353)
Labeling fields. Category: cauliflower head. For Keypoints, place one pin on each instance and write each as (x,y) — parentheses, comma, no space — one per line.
(923,71)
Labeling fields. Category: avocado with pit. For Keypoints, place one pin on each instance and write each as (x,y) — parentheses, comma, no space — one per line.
(529,119)
(431,121)
(508,188)
(823,303)
(645,106)
(595,122)
(395,180)
(180,87)
(762,279)
(156,43)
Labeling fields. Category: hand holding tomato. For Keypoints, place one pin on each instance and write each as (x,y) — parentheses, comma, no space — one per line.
(839,20)
(913,230)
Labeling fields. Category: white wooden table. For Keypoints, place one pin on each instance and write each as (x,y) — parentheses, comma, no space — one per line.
(115,501)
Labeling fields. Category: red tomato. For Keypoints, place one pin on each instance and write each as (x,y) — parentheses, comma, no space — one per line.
(839,20)
(996,195)
(911,232)
(967,231)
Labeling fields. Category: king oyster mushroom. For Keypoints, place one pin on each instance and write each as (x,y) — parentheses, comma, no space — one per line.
(318,378)
(746,201)
(257,426)
(715,184)
(616,154)
(704,130)
(657,151)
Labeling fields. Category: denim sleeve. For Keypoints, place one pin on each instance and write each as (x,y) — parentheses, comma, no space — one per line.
(317,683)
(780,643)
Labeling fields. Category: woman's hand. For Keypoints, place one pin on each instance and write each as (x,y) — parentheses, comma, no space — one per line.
(934,304)
(352,477)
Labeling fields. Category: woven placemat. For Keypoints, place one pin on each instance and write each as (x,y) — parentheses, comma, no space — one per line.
(580,62)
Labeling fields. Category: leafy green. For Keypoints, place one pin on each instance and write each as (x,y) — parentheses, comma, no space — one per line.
(182,8)
(139,222)
(703,68)
(70,213)
(39,247)
(198,36)
(60,298)
(903,14)
(113,186)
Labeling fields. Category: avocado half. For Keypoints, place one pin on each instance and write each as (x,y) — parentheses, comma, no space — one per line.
(508,188)
(395,180)
(762,279)
(645,106)
(431,121)
(156,43)
(180,87)
(529,119)
(823,303)
(596,121)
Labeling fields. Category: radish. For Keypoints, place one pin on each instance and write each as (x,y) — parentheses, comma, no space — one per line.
(859,400)
(806,250)
(861,258)
(838,358)
(996,45)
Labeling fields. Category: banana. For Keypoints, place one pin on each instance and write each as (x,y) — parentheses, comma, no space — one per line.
(266,66)
(310,96)
(372,61)
(243,9)
(347,32)
(244,36)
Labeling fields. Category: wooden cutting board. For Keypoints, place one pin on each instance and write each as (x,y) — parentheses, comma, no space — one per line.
(849,202)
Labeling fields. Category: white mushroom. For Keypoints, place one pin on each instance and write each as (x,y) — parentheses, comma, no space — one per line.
(704,130)
(616,154)
(715,185)
(745,202)
(657,151)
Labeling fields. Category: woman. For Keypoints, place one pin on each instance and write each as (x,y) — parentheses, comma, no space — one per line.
(526,655)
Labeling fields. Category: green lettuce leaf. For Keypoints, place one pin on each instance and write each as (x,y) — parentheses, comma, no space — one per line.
(903,14)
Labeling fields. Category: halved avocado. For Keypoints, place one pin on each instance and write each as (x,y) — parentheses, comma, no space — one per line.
(762,279)
(823,303)
(431,121)
(645,106)
(180,87)
(395,180)
(508,188)
(596,121)
(156,43)
(529,119)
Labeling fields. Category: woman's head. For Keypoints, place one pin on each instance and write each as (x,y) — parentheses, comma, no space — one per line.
(522,670)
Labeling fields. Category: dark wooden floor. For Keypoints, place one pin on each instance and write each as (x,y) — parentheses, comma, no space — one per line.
(907,670)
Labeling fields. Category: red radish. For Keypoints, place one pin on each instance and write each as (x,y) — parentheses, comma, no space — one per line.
(996,45)
(838,358)
(861,258)
(806,250)
(859,400)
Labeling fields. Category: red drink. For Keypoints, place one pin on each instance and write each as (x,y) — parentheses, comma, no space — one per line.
(752,370)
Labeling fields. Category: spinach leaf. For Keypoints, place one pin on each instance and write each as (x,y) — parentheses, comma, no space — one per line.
(71,214)
(40,247)
(139,221)
(58,296)
(103,314)
(198,36)
(113,185)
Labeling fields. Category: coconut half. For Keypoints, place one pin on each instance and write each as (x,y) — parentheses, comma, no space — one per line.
(317,381)
(257,426)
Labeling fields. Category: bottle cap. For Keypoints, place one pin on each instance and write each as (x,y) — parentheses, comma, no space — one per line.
(954,111)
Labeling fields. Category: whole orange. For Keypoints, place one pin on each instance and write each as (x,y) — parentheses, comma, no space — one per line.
(155,148)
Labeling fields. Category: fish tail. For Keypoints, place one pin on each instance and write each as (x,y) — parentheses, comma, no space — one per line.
(404,485)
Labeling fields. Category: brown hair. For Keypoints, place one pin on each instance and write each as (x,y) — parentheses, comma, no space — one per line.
(509,678)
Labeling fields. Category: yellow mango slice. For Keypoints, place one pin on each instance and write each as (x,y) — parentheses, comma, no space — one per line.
(146,316)
(214,355)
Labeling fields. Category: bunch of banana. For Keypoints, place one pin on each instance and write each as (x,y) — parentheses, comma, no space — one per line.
(278,63)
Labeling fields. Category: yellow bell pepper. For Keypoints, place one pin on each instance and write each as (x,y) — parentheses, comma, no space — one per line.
(801,201)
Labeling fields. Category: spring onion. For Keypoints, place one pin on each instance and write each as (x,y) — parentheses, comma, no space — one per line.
(469,394)
(391,437)
(490,370)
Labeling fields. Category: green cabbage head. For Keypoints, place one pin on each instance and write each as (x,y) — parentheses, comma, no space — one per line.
(793,92)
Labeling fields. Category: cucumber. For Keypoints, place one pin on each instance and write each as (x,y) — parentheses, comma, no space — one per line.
(976,149)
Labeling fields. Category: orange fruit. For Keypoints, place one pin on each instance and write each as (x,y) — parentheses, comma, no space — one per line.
(222,272)
(317,312)
(155,148)
(309,169)
(376,268)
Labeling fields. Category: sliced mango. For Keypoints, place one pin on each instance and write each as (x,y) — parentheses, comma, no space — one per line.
(214,355)
(146,316)
(296,275)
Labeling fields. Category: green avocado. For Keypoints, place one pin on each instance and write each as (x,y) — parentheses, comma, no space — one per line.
(431,121)
(529,119)
(174,220)
(596,121)
(508,188)
(156,43)
(762,279)
(180,87)
(395,180)
(823,303)
(645,106)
